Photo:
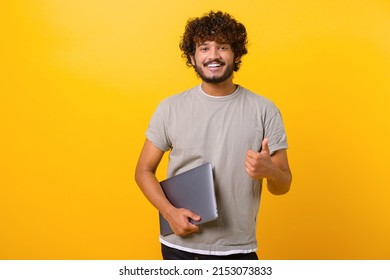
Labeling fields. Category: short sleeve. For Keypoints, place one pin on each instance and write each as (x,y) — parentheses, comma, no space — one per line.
(276,134)
(157,131)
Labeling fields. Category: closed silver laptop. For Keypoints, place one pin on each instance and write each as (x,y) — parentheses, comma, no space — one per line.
(193,190)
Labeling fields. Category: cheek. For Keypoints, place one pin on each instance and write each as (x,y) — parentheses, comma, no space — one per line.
(197,59)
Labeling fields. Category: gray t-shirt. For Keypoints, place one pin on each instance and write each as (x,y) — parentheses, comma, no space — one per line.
(199,128)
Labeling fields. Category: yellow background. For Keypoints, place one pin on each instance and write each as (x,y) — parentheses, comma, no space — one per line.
(80,79)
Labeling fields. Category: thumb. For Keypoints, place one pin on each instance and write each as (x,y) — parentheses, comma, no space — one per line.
(264,146)
(193,216)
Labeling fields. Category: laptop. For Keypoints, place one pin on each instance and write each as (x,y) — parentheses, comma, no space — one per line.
(193,190)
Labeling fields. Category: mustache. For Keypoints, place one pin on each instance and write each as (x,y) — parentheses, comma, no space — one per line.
(214,61)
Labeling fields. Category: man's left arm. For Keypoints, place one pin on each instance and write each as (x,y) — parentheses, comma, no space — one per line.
(274,168)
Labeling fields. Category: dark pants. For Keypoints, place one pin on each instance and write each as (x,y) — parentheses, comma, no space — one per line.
(169,253)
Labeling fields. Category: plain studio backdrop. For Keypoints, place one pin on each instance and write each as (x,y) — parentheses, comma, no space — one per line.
(79,82)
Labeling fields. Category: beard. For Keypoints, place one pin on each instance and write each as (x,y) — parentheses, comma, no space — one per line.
(215,78)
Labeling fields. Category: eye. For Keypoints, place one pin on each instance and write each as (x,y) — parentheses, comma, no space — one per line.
(203,49)
(224,47)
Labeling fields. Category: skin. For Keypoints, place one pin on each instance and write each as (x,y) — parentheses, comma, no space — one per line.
(216,81)
(207,53)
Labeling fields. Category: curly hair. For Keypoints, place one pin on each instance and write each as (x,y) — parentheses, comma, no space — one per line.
(214,26)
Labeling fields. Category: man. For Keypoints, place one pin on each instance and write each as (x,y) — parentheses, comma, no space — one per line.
(239,132)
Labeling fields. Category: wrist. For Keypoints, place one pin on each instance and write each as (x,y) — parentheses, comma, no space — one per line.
(167,211)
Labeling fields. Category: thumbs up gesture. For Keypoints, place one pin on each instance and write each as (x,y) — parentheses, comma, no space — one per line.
(259,165)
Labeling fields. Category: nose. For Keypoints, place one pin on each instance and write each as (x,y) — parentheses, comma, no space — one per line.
(214,53)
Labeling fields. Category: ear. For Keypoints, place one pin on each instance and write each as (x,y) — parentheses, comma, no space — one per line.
(192,59)
(237,59)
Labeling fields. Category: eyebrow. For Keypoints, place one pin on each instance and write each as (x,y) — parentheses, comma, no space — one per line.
(206,43)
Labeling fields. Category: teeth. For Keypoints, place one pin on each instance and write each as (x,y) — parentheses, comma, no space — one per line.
(214,65)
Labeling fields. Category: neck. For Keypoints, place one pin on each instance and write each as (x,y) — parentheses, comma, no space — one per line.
(219,89)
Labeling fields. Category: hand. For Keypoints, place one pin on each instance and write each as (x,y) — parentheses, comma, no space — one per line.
(178,219)
(259,165)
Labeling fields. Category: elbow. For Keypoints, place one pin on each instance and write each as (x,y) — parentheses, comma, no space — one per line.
(136,177)
(143,174)
(281,188)
(138,174)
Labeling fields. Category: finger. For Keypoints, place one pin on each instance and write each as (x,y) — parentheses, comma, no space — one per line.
(193,228)
(249,164)
(249,171)
(193,215)
(251,154)
(187,230)
(190,227)
(264,146)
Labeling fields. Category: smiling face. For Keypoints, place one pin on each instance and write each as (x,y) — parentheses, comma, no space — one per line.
(213,61)
(213,27)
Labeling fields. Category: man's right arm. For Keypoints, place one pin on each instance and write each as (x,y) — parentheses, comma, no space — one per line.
(145,177)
